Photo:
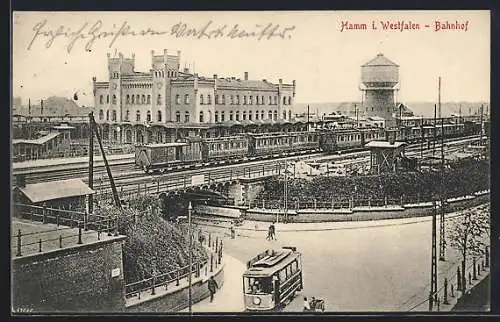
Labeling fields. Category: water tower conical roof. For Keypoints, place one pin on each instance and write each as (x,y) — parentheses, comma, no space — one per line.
(380,60)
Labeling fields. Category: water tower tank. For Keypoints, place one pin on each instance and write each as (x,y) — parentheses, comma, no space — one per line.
(379,77)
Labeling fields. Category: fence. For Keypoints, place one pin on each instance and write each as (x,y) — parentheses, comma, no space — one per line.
(349,203)
(75,151)
(456,283)
(89,226)
(164,280)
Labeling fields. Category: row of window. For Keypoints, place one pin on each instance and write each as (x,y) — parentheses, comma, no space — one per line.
(146,99)
(232,116)
(161,73)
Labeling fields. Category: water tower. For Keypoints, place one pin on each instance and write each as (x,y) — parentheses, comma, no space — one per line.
(379,78)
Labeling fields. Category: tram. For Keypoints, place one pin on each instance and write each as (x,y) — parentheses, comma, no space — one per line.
(272,279)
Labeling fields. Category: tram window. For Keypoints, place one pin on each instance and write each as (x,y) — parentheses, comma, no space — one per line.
(289,271)
(283,275)
(294,267)
(258,285)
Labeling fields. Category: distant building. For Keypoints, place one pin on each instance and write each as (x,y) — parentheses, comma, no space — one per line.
(165,97)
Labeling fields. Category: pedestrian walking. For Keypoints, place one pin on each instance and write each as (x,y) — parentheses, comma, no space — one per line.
(212,287)
(307,307)
(269,233)
(273,231)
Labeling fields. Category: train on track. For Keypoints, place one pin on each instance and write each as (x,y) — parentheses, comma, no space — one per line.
(252,146)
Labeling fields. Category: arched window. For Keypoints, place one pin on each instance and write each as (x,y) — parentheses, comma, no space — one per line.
(158,100)
(186,117)
(209,99)
(101,114)
(284,100)
(275,115)
(216,116)
(114,99)
(128,99)
(256,100)
(230,115)
(133,99)
(216,99)
(158,116)
(231,99)
(107,115)
(115,135)
(249,115)
(222,118)
(270,100)
(244,100)
(101,99)
(186,98)
(237,115)
(149,99)
(137,98)
(244,115)
(289,100)
(162,73)
(256,115)
(250,100)
(177,99)
(284,115)
(201,99)
(148,116)
(223,100)
(138,116)
(201,117)
(290,115)
(113,115)
(107,99)
(127,115)
(262,101)
(143,99)
(177,116)
(270,115)
(238,99)
(262,114)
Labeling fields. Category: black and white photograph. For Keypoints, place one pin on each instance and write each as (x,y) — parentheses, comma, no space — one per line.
(251,162)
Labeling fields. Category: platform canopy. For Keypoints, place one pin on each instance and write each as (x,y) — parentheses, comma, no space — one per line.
(45,191)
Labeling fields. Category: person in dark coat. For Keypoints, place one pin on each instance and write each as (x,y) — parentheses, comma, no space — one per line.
(212,287)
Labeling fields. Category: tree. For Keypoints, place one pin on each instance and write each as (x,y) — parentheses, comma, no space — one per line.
(468,233)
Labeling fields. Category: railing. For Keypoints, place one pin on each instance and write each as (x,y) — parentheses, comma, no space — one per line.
(88,225)
(203,267)
(73,152)
(455,283)
(349,203)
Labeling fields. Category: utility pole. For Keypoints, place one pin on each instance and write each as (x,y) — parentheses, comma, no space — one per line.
(308,117)
(481,129)
(190,245)
(439,96)
(422,138)
(91,164)
(434,143)
(285,202)
(442,246)
(433,292)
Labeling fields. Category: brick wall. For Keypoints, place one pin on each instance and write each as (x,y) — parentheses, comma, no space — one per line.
(77,279)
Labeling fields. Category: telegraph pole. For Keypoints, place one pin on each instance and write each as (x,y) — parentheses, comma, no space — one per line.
(433,292)
(190,210)
(442,247)
(285,202)
(91,164)
(439,96)
(481,129)
(434,143)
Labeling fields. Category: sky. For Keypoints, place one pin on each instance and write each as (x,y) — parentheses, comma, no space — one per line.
(324,61)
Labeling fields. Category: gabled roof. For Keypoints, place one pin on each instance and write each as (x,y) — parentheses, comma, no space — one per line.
(44,191)
(380,60)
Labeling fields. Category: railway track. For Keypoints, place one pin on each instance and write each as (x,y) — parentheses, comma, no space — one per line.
(125,171)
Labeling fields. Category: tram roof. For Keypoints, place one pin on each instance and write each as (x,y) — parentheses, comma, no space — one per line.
(270,264)
(164,145)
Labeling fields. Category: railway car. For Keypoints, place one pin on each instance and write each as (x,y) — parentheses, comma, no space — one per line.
(269,143)
(305,140)
(371,134)
(232,147)
(151,157)
(272,279)
(348,139)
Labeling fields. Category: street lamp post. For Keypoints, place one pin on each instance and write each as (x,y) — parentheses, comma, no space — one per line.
(190,210)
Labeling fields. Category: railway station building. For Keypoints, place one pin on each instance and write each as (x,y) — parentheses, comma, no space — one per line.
(166,102)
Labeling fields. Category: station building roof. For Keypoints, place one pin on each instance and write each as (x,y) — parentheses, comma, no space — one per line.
(51,190)
(39,141)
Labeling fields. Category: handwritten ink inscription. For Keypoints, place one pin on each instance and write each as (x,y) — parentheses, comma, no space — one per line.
(23,310)
(91,33)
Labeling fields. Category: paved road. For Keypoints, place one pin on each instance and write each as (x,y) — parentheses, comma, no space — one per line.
(379,268)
